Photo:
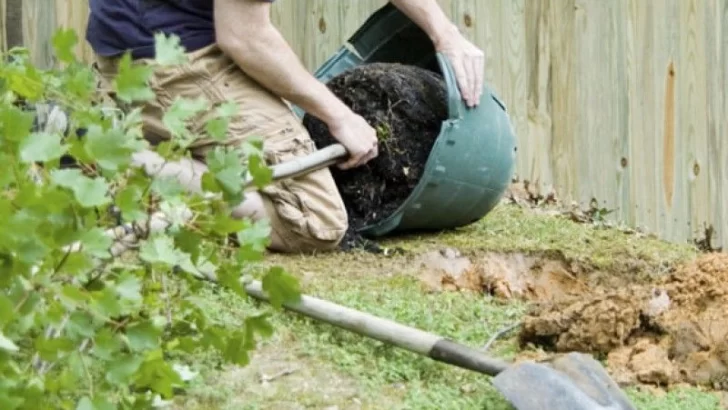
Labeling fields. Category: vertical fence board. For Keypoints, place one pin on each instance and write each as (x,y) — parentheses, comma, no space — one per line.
(564,150)
(716,86)
(693,109)
(719,104)
(642,95)
(535,136)
(39,24)
(73,15)
(669,159)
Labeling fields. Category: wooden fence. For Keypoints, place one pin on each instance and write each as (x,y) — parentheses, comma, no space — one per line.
(619,101)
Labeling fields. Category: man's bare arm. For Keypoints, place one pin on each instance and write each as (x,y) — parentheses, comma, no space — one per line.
(467,60)
(246,34)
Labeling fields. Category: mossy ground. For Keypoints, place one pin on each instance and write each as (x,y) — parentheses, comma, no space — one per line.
(314,365)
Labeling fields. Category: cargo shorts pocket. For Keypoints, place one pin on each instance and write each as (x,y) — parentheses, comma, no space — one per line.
(309,205)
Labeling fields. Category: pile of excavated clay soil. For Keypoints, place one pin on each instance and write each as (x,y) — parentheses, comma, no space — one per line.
(674,331)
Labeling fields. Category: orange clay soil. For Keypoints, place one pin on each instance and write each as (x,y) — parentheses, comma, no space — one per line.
(672,331)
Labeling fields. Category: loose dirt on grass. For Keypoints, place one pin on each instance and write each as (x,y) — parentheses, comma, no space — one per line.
(278,379)
(406,106)
(669,332)
(504,275)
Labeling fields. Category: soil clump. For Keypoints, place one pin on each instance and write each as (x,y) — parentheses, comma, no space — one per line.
(669,332)
(406,105)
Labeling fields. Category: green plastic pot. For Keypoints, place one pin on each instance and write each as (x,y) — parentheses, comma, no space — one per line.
(472,161)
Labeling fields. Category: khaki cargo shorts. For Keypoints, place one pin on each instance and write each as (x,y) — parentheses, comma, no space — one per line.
(305,213)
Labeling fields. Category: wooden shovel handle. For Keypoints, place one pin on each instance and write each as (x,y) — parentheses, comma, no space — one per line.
(316,160)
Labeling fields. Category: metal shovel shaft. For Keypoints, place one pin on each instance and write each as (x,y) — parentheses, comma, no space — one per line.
(415,340)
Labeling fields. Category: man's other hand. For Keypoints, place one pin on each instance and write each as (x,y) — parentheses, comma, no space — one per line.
(359,138)
(468,63)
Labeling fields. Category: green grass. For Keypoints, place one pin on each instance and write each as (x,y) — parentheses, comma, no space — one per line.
(332,367)
(511,228)
(678,398)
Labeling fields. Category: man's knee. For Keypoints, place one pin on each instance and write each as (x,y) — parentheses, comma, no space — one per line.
(305,218)
(306,212)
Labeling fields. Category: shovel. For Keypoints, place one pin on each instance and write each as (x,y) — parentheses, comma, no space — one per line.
(574,381)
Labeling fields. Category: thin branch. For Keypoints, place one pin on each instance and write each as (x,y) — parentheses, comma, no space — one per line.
(167,305)
(500,334)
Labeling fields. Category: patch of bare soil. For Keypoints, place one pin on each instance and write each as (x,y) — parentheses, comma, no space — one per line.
(508,276)
(674,331)
(281,380)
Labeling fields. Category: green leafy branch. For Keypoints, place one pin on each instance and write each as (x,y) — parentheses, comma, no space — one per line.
(89,318)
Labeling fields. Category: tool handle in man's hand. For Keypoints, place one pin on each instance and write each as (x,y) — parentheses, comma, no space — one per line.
(314,161)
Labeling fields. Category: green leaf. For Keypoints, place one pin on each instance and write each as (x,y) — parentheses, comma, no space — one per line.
(107,303)
(281,287)
(260,171)
(122,369)
(98,403)
(110,149)
(87,191)
(97,243)
(26,81)
(253,240)
(81,324)
(7,310)
(106,344)
(129,201)
(158,375)
(226,173)
(189,241)
(228,109)
(73,296)
(85,404)
(236,350)
(143,336)
(229,277)
(256,325)
(217,127)
(10,402)
(64,40)
(129,287)
(161,249)
(168,50)
(7,344)
(42,147)
(51,349)
(167,187)
(80,84)
(16,123)
(178,116)
(131,82)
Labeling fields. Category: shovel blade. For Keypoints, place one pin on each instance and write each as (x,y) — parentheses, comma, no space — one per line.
(572,382)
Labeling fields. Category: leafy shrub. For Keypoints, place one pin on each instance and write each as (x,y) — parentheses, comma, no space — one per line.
(82,327)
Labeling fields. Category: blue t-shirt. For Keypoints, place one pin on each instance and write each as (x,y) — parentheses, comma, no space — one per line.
(117,26)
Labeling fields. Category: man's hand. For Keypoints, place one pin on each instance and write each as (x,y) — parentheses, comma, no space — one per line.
(359,138)
(246,34)
(468,61)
